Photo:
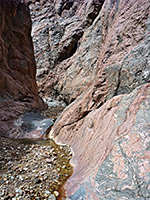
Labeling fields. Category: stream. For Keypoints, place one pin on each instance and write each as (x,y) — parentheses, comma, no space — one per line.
(33,169)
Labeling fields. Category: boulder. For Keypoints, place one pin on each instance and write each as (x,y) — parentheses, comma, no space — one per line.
(31,125)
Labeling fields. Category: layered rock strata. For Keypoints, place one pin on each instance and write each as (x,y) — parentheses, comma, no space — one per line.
(18,88)
(67,46)
(108,125)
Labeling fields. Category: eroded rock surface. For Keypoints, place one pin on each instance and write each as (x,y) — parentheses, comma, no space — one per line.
(108,125)
(67,45)
(111,149)
(18,88)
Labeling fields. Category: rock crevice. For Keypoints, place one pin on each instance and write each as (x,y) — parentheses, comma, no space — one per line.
(62,31)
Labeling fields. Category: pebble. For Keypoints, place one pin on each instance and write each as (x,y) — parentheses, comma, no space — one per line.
(47,192)
(52,197)
(35,172)
(56,193)
(2,193)
(18,190)
(49,160)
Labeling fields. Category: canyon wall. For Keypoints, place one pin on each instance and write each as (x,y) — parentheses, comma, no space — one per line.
(67,45)
(18,88)
(108,125)
(95,54)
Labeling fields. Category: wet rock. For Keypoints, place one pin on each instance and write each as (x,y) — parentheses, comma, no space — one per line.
(31,125)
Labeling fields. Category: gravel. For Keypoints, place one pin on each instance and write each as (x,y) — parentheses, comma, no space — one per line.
(33,169)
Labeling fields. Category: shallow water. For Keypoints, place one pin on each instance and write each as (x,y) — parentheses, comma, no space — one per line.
(55,163)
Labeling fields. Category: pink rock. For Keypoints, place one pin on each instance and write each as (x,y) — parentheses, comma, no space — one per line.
(108,126)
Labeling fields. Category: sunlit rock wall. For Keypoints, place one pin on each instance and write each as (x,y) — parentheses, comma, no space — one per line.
(108,126)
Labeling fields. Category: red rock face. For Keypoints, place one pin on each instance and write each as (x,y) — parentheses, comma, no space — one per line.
(108,125)
(18,88)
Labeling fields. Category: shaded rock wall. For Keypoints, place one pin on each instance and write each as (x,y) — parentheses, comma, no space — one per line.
(18,88)
(108,125)
(67,45)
